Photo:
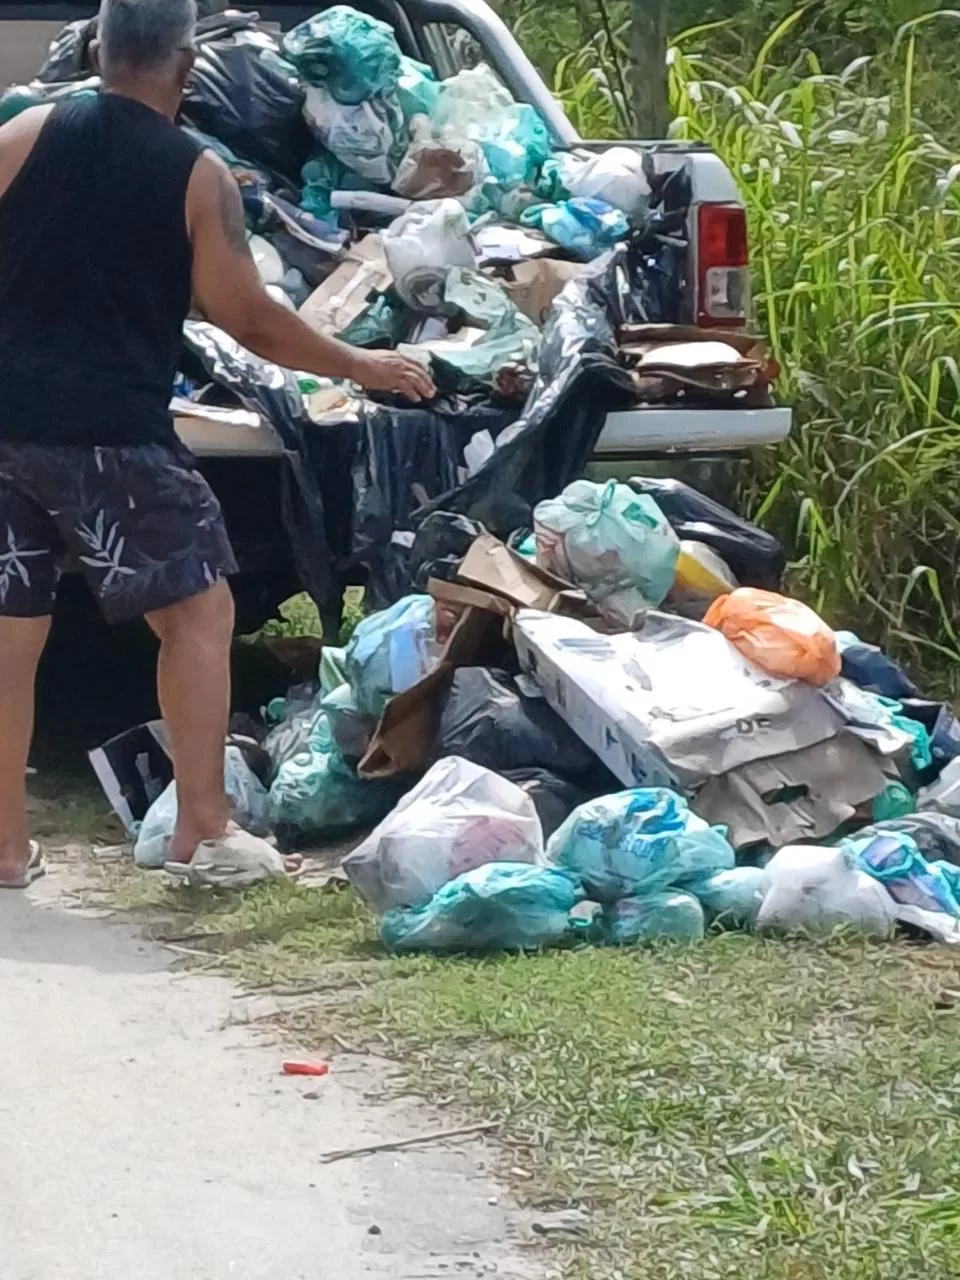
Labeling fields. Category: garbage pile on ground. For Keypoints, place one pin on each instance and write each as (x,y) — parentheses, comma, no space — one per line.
(542,285)
(548,747)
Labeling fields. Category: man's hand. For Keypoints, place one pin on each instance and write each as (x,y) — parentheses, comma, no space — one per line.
(388,371)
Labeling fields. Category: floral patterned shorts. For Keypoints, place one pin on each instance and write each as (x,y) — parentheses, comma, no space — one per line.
(143,527)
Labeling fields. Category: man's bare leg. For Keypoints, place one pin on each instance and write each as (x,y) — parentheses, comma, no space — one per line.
(193,682)
(21,644)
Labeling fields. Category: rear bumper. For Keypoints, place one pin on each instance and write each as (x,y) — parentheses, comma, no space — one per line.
(634,433)
(656,431)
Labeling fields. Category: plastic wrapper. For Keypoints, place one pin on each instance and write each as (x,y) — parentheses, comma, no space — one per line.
(637,842)
(422,243)
(755,558)
(657,917)
(349,53)
(316,796)
(248,797)
(585,228)
(613,544)
(244,93)
(701,576)
(486,719)
(893,858)
(936,835)
(364,137)
(554,797)
(499,907)
(616,176)
(457,818)
(732,898)
(391,651)
(817,890)
(781,636)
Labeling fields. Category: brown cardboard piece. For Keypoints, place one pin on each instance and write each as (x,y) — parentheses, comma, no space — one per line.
(533,286)
(405,735)
(492,566)
(343,295)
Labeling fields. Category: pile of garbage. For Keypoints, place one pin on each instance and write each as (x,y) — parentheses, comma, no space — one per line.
(543,286)
(611,732)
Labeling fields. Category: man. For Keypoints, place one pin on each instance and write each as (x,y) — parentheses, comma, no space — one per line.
(111,218)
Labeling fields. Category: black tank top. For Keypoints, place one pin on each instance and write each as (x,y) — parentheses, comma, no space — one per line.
(95,277)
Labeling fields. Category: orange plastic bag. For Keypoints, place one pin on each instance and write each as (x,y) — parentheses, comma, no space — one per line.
(783,637)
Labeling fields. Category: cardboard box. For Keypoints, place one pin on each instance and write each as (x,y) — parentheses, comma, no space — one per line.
(671,705)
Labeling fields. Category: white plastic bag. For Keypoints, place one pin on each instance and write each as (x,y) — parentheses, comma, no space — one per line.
(250,811)
(817,889)
(391,651)
(428,239)
(269,263)
(458,817)
(613,543)
(615,176)
(943,796)
(361,137)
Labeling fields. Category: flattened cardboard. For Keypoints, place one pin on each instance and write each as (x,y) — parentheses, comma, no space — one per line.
(492,566)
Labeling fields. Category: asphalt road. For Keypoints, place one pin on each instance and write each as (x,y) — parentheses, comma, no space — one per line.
(146,1133)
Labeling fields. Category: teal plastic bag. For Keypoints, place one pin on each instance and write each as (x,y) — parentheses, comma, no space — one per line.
(895,801)
(348,52)
(637,842)
(732,898)
(316,796)
(616,545)
(675,917)
(894,859)
(351,728)
(391,651)
(584,227)
(417,88)
(502,906)
(19,97)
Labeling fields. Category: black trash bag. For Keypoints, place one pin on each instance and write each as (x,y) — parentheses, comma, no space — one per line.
(937,835)
(554,797)
(440,544)
(244,93)
(400,452)
(755,557)
(579,381)
(275,394)
(68,57)
(488,720)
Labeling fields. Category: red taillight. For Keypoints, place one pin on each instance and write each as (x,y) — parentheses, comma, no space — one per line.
(723,271)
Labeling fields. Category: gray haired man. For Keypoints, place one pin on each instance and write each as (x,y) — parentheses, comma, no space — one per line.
(111,220)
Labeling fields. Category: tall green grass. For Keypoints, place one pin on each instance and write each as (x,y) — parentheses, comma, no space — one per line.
(854,206)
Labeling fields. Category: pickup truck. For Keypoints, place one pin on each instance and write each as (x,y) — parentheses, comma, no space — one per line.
(243,462)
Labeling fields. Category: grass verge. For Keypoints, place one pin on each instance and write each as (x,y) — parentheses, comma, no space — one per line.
(748,1108)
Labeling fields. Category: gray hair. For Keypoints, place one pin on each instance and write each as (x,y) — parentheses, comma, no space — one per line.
(144,34)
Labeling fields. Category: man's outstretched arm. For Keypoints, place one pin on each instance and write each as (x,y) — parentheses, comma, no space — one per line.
(228,290)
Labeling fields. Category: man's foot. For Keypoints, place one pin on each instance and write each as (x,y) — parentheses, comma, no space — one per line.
(22,873)
(236,860)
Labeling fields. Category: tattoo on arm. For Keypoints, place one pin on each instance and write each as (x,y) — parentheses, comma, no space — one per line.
(231,215)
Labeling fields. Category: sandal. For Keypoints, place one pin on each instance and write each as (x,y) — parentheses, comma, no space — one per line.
(34,869)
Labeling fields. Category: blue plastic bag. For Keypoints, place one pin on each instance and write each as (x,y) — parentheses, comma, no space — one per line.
(417,88)
(583,227)
(636,843)
(677,917)
(502,906)
(732,897)
(348,52)
(895,860)
(248,795)
(871,669)
(391,651)
(316,795)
